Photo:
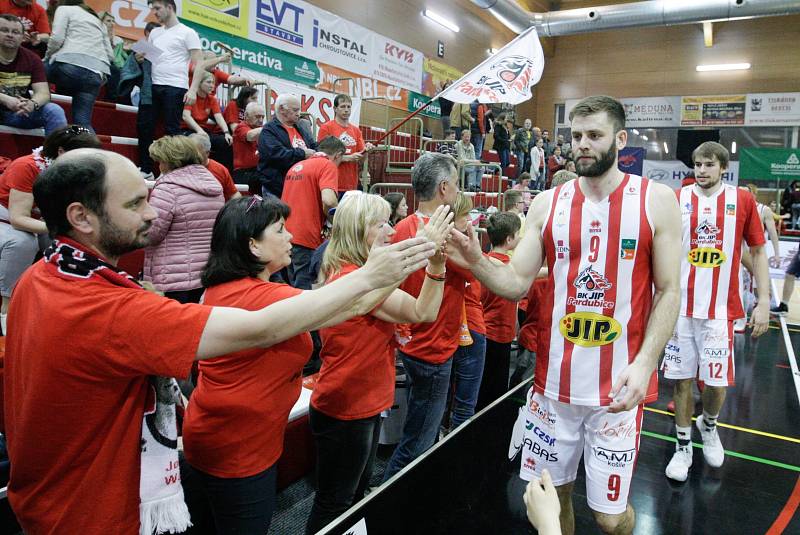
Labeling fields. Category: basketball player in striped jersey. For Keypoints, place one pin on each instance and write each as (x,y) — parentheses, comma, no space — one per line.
(609,240)
(715,217)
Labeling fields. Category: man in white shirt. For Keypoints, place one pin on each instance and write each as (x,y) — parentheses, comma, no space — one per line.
(179,45)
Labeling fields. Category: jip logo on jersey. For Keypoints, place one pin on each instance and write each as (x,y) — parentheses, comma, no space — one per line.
(588,329)
(706,257)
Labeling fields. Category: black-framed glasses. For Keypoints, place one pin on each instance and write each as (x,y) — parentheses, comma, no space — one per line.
(255,199)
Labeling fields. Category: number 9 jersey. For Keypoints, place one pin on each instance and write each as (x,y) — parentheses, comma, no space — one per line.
(599,294)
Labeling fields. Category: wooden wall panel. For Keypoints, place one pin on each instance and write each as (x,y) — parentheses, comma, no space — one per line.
(661,61)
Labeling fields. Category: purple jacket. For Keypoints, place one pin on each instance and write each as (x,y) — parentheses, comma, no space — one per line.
(187,201)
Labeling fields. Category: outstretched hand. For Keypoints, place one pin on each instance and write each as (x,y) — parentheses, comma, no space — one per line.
(541,501)
(464,249)
(388,265)
(438,227)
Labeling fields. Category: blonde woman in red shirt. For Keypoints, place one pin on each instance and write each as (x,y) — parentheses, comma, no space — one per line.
(356,381)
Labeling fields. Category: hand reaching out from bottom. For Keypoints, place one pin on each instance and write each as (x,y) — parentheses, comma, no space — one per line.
(541,501)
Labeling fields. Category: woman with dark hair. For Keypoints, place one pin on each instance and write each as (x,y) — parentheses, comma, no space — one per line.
(399,206)
(79,56)
(235,422)
(502,141)
(234,111)
(22,232)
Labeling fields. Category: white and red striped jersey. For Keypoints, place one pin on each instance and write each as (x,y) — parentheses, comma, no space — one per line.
(599,291)
(713,228)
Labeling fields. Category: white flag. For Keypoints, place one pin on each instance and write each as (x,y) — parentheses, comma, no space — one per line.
(507,76)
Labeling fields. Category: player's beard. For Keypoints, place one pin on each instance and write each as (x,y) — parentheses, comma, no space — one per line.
(600,166)
(710,184)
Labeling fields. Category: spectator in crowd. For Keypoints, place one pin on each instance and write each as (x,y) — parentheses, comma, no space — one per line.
(528,336)
(794,204)
(562,177)
(556,162)
(219,171)
(502,142)
(245,147)
(221,77)
(24,93)
(521,140)
(22,233)
(205,118)
(79,56)
(149,27)
(397,201)
(428,356)
(513,203)
(348,133)
(448,145)
(523,186)
(35,24)
(478,113)
(566,148)
(570,166)
(170,88)
(549,146)
(235,109)
(356,381)
(499,313)
(310,189)
(460,118)
(446,106)
(77,334)
(121,51)
(466,158)
(282,143)
(186,199)
(538,164)
(469,357)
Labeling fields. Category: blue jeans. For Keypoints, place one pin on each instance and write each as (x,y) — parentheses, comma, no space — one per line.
(467,372)
(299,270)
(522,160)
(50,116)
(167,103)
(505,157)
(428,385)
(241,504)
(81,84)
(477,142)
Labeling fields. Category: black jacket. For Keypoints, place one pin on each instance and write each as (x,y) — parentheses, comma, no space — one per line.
(276,154)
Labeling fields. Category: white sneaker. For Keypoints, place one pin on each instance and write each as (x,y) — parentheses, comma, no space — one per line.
(713,452)
(678,467)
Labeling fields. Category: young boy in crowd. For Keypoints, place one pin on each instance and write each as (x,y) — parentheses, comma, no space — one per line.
(499,314)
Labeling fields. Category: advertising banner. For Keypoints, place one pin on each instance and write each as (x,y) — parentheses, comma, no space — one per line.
(300,28)
(260,59)
(416,101)
(645,112)
(229,16)
(773,109)
(317,103)
(726,110)
(435,74)
(770,164)
(361,86)
(631,160)
(672,172)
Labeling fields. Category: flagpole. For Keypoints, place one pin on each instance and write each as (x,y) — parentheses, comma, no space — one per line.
(404,121)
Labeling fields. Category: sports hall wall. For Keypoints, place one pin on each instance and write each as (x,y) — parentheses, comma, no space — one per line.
(661,61)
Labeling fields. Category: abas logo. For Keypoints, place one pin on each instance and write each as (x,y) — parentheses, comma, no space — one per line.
(279,20)
(588,329)
(535,449)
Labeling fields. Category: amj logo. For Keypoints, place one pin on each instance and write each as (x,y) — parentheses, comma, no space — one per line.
(706,257)
(587,329)
(279,20)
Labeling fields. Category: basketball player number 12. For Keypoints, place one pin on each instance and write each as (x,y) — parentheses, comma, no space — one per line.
(715,370)
(614,483)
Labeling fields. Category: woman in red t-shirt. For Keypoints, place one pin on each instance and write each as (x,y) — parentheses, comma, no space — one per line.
(356,381)
(234,111)
(205,117)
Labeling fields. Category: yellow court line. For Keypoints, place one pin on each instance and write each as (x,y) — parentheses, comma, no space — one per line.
(734,427)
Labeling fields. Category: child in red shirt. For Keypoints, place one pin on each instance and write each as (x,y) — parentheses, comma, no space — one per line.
(500,314)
